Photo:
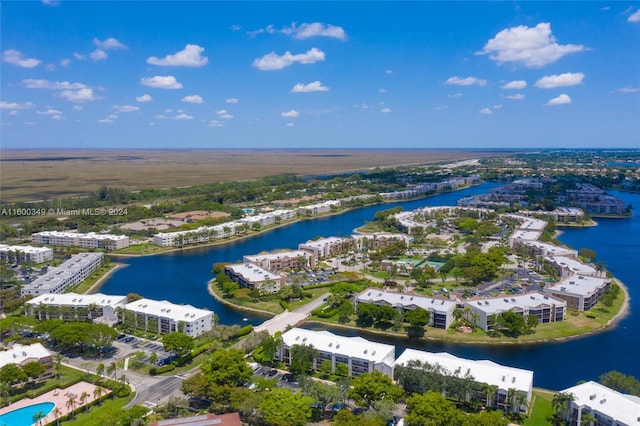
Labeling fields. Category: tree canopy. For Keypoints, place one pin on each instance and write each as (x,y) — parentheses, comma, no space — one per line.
(369,389)
(177,341)
(282,407)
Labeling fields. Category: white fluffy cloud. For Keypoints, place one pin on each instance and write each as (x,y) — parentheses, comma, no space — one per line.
(290,114)
(190,56)
(193,99)
(106,121)
(385,110)
(560,80)
(314,86)
(515,84)
(15,57)
(486,111)
(625,90)
(634,17)
(183,116)
(517,96)
(231,100)
(533,47)
(466,81)
(50,111)
(15,105)
(126,108)
(305,31)
(144,98)
(65,62)
(222,113)
(161,82)
(272,61)
(80,95)
(109,44)
(78,108)
(31,83)
(560,100)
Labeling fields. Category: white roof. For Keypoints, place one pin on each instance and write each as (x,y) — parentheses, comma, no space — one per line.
(252,273)
(166,309)
(321,242)
(74,299)
(19,353)
(483,371)
(530,300)
(58,275)
(529,223)
(580,284)
(620,407)
(551,248)
(354,347)
(24,249)
(374,295)
(574,265)
(80,235)
(520,234)
(278,255)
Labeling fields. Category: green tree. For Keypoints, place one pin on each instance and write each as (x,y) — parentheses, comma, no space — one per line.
(12,373)
(282,407)
(621,382)
(511,323)
(177,341)
(33,369)
(369,389)
(431,409)
(322,394)
(302,357)
(418,317)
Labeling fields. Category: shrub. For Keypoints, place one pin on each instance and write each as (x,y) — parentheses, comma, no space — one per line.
(164,369)
(284,305)
(244,330)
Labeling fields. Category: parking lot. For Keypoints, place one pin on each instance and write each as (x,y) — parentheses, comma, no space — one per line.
(131,344)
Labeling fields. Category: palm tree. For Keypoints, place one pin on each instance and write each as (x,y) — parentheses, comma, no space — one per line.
(97,393)
(71,404)
(38,416)
(560,403)
(521,400)
(112,370)
(490,391)
(4,391)
(58,357)
(57,413)
(100,370)
(511,394)
(587,419)
(84,396)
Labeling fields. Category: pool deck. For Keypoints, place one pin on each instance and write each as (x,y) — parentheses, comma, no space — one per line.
(59,397)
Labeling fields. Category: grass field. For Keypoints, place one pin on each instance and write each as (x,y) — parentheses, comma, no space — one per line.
(542,410)
(38,174)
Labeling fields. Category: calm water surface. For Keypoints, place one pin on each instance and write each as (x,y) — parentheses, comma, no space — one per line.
(182,278)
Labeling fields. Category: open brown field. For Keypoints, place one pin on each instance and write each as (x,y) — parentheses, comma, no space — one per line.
(27,175)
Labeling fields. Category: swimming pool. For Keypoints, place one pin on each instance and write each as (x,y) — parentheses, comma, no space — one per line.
(24,416)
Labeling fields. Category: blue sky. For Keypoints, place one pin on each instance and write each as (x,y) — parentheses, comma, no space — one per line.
(320,75)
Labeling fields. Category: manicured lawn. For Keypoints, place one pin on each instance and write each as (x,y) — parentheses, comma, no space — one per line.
(91,279)
(108,406)
(542,410)
(67,377)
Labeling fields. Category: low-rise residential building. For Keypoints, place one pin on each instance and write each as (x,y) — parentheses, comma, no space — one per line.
(482,312)
(605,405)
(358,354)
(568,266)
(98,307)
(326,247)
(441,310)
(538,248)
(269,218)
(567,214)
(282,260)
(70,273)
(21,254)
(483,372)
(253,276)
(161,316)
(319,208)
(579,291)
(76,239)
(378,240)
(23,354)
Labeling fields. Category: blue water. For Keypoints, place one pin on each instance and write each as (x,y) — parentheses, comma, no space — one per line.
(24,416)
(182,277)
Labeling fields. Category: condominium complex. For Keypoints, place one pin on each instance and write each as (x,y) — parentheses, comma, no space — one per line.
(75,239)
(23,354)
(325,247)
(482,372)
(424,188)
(253,276)
(319,208)
(70,273)
(98,307)
(579,291)
(165,317)
(282,260)
(359,355)
(441,310)
(606,406)
(21,254)
(482,312)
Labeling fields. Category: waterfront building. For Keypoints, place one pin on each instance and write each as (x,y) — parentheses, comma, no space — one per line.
(592,200)
(482,312)
(566,214)
(426,216)
(21,254)
(358,354)
(482,372)
(270,218)
(23,354)
(441,310)
(161,316)
(76,239)
(282,260)
(318,208)
(253,276)
(326,247)
(70,273)
(538,248)
(605,405)
(98,307)
(579,291)
(568,266)
(417,190)
(378,240)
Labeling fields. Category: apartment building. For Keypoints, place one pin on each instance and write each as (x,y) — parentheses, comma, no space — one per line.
(161,316)
(605,405)
(547,308)
(358,354)
(568,266)
(482,371)
(70,273)
(441,310)
(75,239)
(253,276)
(98,307)
(378,240)
(282,260)
(326,247)
(319,208)
(579,291)
(23,354)
(21,254)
